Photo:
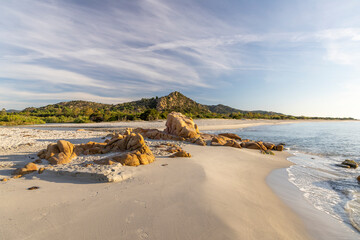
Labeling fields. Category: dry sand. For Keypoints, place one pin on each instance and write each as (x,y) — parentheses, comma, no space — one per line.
(219,193)
(204,124)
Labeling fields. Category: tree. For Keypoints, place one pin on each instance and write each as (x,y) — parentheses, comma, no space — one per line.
(150,115)
(3,112)
(97,117)
(88,111)
(76,112)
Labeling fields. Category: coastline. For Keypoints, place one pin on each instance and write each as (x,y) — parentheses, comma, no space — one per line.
(220,193)
(319,224)
(203,124)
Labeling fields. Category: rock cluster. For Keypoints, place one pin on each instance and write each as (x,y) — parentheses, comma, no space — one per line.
(182,126)
(137,152)
(230,135)
(224,141)
(157,135)
(178,151)
(140,153)
(262,146)
(61,152)
(178,128)
(29,168)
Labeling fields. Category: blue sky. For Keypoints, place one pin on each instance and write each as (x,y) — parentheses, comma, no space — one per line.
(295,57)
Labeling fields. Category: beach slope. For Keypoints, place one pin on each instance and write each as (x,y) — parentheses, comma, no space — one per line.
(219,193)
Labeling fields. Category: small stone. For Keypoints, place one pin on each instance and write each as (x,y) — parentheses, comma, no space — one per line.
(33,188)
(38,161)
(181,153)
(87,164)
(279,147)
(350,163)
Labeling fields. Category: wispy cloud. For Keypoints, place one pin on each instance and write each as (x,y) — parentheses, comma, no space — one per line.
(40,97)
(101,51)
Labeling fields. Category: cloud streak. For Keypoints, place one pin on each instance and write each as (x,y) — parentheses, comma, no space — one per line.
(137,48)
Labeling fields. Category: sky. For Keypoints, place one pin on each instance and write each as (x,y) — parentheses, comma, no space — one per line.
(299,57)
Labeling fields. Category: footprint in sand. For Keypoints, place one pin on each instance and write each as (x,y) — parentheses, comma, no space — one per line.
(129,218)
(141,203)
(142,234)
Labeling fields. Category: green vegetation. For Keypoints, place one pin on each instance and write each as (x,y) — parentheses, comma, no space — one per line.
(147,109)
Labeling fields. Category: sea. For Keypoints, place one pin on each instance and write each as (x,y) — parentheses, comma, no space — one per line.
(317,148)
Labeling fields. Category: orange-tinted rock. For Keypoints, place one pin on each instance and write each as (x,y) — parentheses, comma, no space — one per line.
(145,155)
(350,163)
(129,159)
(279,148)
(61,152)
(134,141)
(140,153)
(224,141)
(157,135)
(87,164)
(180,125)
(29,168)
(358,178)
(198,141)
(230,135)
(269,146)
(235,144)
(41,170)
(104,161)
(254,145)
(173,149)
(218,141)
(181,153)
(4,180)
(128,131)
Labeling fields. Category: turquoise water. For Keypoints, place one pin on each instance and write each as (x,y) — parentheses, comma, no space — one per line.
(317,148)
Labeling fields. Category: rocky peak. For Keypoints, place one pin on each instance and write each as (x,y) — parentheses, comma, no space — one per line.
(176,101)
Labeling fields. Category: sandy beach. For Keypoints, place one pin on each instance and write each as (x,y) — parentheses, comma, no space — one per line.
(219,193)
(204,124)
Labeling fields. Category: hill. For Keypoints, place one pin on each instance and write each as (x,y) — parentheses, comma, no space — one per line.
(223,109)
(175,101)
(145,109)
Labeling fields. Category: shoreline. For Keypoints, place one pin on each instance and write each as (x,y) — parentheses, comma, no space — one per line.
(203,124)
(319,224)
(219,193)
(229,187)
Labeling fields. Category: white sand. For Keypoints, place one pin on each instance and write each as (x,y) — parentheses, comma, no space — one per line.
(219,193)
(204,124)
